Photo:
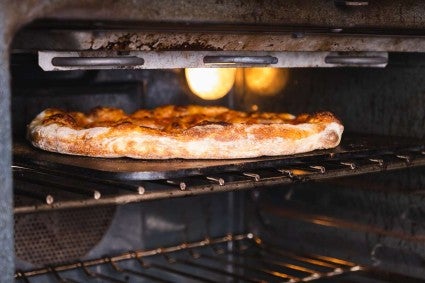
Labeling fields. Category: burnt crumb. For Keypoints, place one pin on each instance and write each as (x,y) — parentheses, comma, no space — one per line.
(206,123)
(122,43)
(175,125)
(130,41)
(192,46)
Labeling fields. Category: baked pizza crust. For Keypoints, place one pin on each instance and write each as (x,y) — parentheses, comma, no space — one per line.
(190,132)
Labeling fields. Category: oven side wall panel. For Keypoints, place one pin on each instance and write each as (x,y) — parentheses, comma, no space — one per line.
(6,206)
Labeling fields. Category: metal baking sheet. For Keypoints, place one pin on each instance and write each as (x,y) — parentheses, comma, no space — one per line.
(120,169)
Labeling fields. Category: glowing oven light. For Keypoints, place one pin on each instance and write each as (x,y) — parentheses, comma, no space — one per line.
(210,83)
(266,81)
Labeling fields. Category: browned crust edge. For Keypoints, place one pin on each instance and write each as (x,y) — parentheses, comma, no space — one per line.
(58,131)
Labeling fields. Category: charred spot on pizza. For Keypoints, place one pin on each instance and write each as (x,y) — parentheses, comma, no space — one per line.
(62,119)
(212,123)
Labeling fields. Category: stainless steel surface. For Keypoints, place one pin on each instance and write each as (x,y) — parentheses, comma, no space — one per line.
(240,60)
(359,60)
(98,62)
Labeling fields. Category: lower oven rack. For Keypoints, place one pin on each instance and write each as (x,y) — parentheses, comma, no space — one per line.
(235,258)
(41,186)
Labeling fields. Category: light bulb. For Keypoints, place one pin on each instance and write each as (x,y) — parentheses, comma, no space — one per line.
(266,81)
(210,83)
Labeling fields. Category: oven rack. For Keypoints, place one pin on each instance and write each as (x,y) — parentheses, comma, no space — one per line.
(41,189)
(239,258)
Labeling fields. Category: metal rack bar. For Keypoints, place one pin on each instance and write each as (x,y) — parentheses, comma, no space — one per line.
(34,194)
(99,275)
(138,254)
(248,250)
(272,262)
(300,171)
(53,180)
(135,272)
(176,271)
(252,268)
(219,271)
(59,278)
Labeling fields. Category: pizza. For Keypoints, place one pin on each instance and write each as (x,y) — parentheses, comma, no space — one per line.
(189,132)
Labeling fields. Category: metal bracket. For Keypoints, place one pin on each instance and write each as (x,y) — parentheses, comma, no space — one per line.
(88,60)
(94,62)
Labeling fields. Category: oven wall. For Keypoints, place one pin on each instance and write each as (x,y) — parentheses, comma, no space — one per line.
(375,101)
(385,101)
(6,203)
(392,15)
(367,100)
(144,226)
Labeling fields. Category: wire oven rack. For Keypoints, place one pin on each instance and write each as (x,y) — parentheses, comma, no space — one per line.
(41,184)
(232,258)
(242,258)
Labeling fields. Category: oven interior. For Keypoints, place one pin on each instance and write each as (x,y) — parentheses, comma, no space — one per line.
(354,214)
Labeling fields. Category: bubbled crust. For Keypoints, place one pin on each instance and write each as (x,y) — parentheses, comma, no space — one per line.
(191,132)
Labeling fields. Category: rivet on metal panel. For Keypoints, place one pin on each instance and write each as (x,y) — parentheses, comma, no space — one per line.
(96,194)
(49,199)
(141,190)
